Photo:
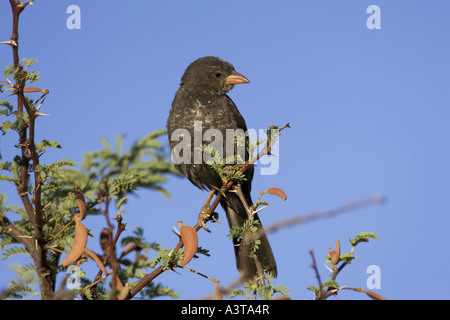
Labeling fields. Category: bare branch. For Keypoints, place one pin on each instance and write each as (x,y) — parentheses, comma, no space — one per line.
(376,199)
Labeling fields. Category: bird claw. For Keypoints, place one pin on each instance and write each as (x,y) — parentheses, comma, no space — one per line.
(204,217)
(214,217)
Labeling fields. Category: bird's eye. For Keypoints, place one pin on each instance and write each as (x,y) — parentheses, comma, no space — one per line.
(218,74)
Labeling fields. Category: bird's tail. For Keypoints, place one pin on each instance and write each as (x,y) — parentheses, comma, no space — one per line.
(237,216)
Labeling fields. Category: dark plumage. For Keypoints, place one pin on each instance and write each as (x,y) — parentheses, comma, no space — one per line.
(202,97)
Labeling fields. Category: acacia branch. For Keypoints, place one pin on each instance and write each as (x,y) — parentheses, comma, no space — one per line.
(11,229)
(32,155)
(249,210)
(225,188)
(314,266)
(33,208)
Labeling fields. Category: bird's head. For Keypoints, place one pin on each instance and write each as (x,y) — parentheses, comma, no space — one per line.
(212,74)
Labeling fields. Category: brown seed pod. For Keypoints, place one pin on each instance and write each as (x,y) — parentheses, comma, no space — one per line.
(332,256)
(31,89)
(277,192)
(123,292)
(119,284)
(81,203)
(79,244)
(94,257)
(335,255)
(190,242)
(373,295)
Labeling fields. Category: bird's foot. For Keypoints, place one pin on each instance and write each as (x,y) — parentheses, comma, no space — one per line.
(204,216)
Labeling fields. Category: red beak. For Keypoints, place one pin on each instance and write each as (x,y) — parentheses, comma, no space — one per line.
(236,78)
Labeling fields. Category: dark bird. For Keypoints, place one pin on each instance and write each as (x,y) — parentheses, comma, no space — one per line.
(201,103)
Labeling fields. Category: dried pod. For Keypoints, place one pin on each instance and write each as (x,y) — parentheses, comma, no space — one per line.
(81,203)
(94,257)
(337,255)
(190,242)
(31,89)
(79,244)
(277,192)
(123,294)
(373,295)
(333,256)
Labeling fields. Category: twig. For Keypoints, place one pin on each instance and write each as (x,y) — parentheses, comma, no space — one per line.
(225,290)
(62,229)
(259,269)
(238,189)
(112,246)
(12,230)
(376,199)
(218,293)
(314,266)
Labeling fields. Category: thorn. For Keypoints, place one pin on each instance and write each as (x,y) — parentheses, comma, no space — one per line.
(255,212)
(176,231)
(175,271)
(42,114)
(219,190)
(12,43)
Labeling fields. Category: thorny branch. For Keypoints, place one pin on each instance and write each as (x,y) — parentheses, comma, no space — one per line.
(225,188)
(35,245)
(259,269)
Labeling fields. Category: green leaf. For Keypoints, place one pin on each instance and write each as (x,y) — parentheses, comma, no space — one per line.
(8,106)
(330,284)
(28,62)
(314,289)
(14,251)
(5,178)
(120,202)
(41,146)
(363,237)
(15,168)
(6,126)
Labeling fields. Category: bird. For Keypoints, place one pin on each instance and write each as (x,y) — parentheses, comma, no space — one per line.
(200,104)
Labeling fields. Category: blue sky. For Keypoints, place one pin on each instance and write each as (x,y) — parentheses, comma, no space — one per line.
(369,111)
